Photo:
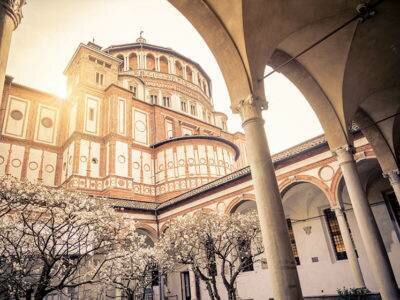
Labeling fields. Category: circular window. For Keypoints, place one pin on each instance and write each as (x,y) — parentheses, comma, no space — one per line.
(33,165)
(16,114)
(147,167)
(47,122)
(136,165)
(15,163)
(140,126)
(1,160)
(95,161)
(49,169)
(121,159)
(83,158)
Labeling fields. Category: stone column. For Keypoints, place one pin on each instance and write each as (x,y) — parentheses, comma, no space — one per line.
(394,179)
(282,266)
(350,249)
(10,17)
(371,237)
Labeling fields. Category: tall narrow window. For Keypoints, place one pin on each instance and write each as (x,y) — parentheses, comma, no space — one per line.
(183,106)
(121,116)
(99,78)
(394,210)
(133,89)
(336,236)
(153,99)
(185,282)
(193,109)
(166,102)
(293,241)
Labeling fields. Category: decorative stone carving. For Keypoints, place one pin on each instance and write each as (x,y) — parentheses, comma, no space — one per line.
(250,108)
(14,9)
(393,176)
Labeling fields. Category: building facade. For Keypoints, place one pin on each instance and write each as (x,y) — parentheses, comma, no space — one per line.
(138,126)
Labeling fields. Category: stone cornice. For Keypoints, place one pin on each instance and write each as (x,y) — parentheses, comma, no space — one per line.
(14,9)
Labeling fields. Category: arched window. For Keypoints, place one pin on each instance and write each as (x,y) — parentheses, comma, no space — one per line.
(178,69)
(189,74)
(133,61)
(150,62)
(163,64)
(121,65)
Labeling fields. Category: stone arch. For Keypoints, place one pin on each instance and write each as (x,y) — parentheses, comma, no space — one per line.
(335,131)
(178,69)
(133,61)
(237,201)
(288,183)
(146,229)
(164,64)
(122,64)
(150,62)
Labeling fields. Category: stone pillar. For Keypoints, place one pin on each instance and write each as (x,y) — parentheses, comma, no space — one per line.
(394,179)
(350,249)
(10,17)
(371,237)
(282,266)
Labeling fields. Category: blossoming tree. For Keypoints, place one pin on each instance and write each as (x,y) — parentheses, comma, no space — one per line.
(133,271)
(57,239)
(214,246)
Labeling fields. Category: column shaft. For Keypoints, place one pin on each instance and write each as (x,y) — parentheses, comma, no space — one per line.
(282,266)
(350,249)
(6,29)
(372,239)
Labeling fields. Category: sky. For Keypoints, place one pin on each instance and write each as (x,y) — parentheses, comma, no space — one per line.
(51,30)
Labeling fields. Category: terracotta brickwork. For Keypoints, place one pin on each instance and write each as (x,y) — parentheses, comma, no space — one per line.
(138,123)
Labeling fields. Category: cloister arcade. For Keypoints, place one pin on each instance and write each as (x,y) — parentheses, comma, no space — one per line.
(349,76)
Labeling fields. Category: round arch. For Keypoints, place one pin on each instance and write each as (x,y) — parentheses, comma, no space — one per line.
(147,230)
(164,64)
(237,201)
(133,61)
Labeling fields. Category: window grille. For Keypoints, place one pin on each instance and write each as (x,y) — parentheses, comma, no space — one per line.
(293,241)
(335,234)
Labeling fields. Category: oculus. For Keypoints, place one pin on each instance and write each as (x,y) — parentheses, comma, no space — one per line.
(47,122)
(95,161)
(49,169)
(1,160)
(16,163)
(140,126)
(16,114)
(121,159)
(33,165)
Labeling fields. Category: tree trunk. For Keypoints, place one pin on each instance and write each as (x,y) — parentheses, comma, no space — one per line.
(215,288)
(210,291)
(232,294)
(129,296)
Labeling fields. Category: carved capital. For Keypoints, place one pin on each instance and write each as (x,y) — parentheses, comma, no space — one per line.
(393,176)
(14,9)
(344,153)
(250,108)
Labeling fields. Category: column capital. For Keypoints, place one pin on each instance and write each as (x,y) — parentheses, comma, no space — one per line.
(344,153)
(14,9)
(393,176)
(250,108)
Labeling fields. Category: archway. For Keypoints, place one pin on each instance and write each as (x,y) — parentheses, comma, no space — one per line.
(163,64)
(150,62)
(133,61)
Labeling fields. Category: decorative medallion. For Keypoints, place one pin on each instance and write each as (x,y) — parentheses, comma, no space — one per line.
(33,165)
(121,158)
(49,169)
(83,158)
(147,167)
(140,126)
(15,163)
(16,114)
(136,165)
(326,173)
(95,161)
(47,122)
(181,162)
(202,161)
(1,160)
(170,164)
(191,161)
